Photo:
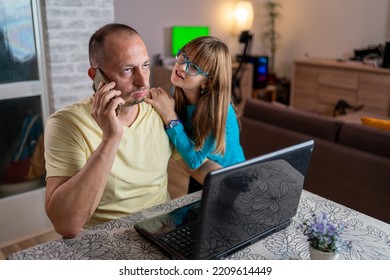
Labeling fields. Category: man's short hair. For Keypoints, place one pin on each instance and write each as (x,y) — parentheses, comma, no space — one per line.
(96,42)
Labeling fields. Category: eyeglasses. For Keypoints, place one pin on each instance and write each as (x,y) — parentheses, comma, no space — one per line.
(191,68)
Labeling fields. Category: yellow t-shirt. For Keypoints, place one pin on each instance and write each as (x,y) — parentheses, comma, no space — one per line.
(138,178)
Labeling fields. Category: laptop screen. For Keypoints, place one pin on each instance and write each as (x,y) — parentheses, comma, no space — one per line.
(246,204)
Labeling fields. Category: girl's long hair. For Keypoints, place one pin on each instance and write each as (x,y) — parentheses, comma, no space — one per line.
(213,57)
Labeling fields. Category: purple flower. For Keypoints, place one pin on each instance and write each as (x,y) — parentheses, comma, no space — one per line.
(323,234)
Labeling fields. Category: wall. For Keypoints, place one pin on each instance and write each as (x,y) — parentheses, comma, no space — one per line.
(388,22)
(314,27)
(153,19)
(69,25)
(333,29)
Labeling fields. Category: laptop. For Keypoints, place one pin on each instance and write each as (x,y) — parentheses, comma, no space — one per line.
(239,205)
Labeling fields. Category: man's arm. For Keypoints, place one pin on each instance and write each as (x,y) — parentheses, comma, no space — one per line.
(71,201)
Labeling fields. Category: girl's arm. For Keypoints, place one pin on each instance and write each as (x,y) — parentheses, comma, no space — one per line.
(185,146)
(164,104)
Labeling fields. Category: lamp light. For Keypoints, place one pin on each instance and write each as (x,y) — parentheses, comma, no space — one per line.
(243,16)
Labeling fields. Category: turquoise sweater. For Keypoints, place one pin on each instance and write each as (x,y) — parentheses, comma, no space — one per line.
(183,143)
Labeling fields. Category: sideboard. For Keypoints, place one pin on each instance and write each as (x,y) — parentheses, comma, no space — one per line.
(318,84)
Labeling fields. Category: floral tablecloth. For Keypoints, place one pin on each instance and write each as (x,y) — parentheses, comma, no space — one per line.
(117,239)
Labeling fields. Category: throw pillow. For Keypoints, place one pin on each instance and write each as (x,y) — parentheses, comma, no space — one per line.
(377,123)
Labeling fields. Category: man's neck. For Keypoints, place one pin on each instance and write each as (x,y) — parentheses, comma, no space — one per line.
(128,114)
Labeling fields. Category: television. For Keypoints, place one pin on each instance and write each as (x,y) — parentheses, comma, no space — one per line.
(181,35)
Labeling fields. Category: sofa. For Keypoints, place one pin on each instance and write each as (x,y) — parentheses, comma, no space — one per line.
(350,162)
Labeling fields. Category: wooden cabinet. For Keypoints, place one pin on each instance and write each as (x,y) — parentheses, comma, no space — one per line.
(318,84)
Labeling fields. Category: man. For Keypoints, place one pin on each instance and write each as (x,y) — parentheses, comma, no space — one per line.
(103,162)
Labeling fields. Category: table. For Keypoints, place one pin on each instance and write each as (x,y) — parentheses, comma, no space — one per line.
(117,239)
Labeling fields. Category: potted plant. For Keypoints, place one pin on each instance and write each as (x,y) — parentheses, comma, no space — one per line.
(324,237)
(271,36)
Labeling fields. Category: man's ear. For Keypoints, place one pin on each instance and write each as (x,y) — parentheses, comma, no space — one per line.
(91,72)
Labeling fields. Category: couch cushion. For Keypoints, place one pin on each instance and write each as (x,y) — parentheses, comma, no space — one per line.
(354,178)
(365,138)
(258,138)
(307,123)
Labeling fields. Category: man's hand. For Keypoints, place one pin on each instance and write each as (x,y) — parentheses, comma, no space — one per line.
(105,102)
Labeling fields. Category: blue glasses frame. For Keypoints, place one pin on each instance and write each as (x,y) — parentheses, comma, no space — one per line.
(189,64)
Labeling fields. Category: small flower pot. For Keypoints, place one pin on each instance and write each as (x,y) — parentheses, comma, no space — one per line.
(319,255)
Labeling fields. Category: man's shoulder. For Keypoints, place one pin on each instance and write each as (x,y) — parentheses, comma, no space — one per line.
(148,115)
(146,107)
(77,108)
(148,110)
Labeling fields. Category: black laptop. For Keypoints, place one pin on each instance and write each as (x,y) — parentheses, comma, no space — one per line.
(240,205)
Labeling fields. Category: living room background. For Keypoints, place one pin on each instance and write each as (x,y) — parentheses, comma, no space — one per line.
(312,28)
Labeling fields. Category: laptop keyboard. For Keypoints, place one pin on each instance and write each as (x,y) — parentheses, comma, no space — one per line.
(182,239)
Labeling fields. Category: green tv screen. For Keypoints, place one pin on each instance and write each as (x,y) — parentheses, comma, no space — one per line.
(181,35)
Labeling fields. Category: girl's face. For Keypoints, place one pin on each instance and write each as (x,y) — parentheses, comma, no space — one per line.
(188,77)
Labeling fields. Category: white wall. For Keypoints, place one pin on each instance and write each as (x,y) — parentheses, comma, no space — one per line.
(153,19)
(68,26)
(318,28)
(23,216)
(332,28)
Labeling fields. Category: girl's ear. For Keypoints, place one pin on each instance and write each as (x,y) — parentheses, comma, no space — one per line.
(205,84)
(204,88)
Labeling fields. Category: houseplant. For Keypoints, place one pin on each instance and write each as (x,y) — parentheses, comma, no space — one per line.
(271,36)
(324,236)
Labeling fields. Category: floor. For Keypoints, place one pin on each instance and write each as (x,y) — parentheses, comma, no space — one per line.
(178,186)
(41,238)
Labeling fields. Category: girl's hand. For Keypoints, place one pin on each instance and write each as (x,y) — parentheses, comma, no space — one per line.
(163,103)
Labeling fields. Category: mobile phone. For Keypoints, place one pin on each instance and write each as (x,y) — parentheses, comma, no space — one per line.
(99,77)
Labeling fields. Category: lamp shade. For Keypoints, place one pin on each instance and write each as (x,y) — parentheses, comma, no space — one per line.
(243,16)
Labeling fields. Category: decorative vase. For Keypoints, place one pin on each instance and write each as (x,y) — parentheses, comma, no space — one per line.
(319,255)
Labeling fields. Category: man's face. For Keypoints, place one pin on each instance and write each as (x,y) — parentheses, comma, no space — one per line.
(127,63)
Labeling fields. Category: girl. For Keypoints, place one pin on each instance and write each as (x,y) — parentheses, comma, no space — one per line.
(200,119)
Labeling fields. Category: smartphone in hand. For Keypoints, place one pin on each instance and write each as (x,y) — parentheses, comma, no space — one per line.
(99,77)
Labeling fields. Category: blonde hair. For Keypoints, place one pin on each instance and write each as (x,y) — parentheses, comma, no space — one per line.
(210,115)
